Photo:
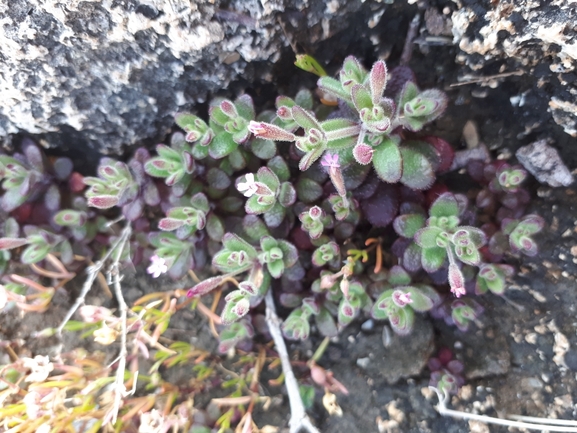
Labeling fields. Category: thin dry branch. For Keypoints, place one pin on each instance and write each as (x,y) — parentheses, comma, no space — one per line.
(114,271)
(92,273)
(299,419)
(536,424)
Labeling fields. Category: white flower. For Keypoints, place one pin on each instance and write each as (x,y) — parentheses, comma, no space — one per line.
(249,187)
(152,422)
(43,428)
(105,335)
(157,266)
(40,366)
(3,297)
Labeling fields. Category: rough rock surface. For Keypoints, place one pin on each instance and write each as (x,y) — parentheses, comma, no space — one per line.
(544,163)
(113,72)
(532,37)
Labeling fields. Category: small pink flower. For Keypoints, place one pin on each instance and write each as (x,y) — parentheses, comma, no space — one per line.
(401,298)
(330,160)
(157,266)
(93,313)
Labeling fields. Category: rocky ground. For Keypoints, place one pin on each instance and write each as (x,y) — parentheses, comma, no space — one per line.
(509,74)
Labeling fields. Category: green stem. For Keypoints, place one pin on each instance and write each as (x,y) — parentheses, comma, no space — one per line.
(321,349)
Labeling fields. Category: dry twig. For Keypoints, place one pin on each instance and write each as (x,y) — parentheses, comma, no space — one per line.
(299,419)
(535,424)
(93,272)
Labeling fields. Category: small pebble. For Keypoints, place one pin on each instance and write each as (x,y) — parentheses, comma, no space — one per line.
(363,362)
(369,325)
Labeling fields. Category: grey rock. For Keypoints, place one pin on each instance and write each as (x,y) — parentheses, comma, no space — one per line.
(537,39)
(544,162)
(114,73)
(403,358)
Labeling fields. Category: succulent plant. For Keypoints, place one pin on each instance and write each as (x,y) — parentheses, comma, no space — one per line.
(336,211)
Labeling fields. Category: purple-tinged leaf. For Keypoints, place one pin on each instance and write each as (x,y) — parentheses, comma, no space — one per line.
(9,243)
(33,155)
(228,108)
(398,77)
(382,207)
(188,162)
(150,194)
(62,168)
(378,80)
(206,286)
(169,224)
(412,257)
(103,201)
(52,198)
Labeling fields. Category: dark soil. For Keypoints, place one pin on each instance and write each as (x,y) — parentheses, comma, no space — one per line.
(520,358)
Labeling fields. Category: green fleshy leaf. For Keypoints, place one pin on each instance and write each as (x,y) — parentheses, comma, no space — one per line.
(304,118)
(408,225)
(35,253)
(304,98)
(290,253)
(420,301)
(254,207)
(388,161)
(69,217)
(333,87)
(11,199)
(222,145)
(445,206)
(234,242)
(402,321)
(417,170)
(254,227)
(468,255)
(308,191)
(325,323)
(267,176)
(263,149)
(361,97)
(267,243)
(279,167)
(276,268)
(287,194)
(433,258)
(427,237)
(245,106)
(398,276)
(199,151)
(275,215)
(214,227)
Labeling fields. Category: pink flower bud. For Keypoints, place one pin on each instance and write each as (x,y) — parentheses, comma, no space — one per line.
(456,281)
